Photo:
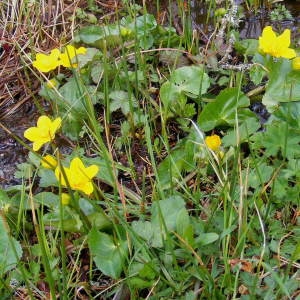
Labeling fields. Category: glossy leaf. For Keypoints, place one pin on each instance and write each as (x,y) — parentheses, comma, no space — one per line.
(222,112)
(108,255)
(10,249)
(283,85)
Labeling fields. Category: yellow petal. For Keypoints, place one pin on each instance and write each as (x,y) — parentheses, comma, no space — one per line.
(267,40)
(54,54)
(49,162)
(45,63)
(32,134)
(213,142)
(87,188)
(69,53)
(65,199)
(38,144)
(268,33)
(296,63)
(52,83)
(43,122)
(55,125)
(76,164)
(91,171)
(288,53)
(60,176)
(284,39)
(81,50)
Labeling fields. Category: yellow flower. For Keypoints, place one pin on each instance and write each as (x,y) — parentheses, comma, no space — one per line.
(46,63)
(52,83)
(69,53)
(296,63)
(277,46)
(78,176)
(65,199)
(213,142)
(125,31)
(43,133)
(49,162)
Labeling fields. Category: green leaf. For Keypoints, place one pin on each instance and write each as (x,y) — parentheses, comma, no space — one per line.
(278,138)
(105,169)
(72,221)
(289,112)
(121,100)
(206,239)
(98,36)
(84,59)
(246,129)
(72,124)
(247,46)
(4,199)
(75,94)
(170,93)
(257,74)
(296,253)
(181,158)
(283,85)
(47,178)
(47,199)
(10,249)
(109,256)
(190,79)
(143,229)
(167,211)
(97,72)
(223,110)
(142,24)
(259,175)
(184,227)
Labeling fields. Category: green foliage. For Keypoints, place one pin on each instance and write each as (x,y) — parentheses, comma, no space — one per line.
(230,105)
(283,84)
(109,255)
(189,81)
(138,28)
(10,249)
(168,217)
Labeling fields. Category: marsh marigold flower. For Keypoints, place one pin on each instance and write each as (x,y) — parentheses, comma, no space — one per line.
(65,199)
(43,133)
(296,63)
(52,83)
(49,162)
(69,53)
(78,176)
(213,142)
(46,63)
(277,46)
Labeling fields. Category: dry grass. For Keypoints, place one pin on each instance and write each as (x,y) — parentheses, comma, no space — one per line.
(27,27)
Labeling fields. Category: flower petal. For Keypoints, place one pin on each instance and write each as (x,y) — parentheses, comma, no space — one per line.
(296,63)
(38,144)
(32,134)
(60,176)
(54,54)
(43,122)
(55,125)
(87,188)
(284,39)
(76,164)
(91,171)
(49,162)
(288,53)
